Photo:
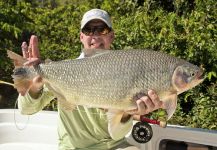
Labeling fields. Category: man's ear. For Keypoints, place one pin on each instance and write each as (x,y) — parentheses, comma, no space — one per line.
(112,36)
(81,36)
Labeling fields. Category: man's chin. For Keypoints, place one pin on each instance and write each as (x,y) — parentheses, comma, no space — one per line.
(97,47)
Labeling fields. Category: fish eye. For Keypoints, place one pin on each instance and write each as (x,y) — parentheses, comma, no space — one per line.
(192,74)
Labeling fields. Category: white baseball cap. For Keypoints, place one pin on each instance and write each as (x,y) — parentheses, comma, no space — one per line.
(96,14)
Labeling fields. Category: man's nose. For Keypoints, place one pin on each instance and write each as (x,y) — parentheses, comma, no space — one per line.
(96,36)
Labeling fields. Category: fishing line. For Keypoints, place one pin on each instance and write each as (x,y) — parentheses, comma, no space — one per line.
(15,106)
(15,121)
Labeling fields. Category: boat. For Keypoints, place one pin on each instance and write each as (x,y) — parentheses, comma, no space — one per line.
(39,131)
(22,132)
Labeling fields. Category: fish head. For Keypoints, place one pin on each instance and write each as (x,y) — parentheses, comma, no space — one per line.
(186,76)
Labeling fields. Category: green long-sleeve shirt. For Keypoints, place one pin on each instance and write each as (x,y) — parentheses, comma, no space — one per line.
(81,128)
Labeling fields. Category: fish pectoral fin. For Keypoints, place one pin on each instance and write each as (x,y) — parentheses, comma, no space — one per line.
(47,61)
(170,105)
(115,127)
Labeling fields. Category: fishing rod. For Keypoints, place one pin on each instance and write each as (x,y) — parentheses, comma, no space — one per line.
(142,131)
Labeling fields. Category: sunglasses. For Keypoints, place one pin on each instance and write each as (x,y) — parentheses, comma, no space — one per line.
(97,30)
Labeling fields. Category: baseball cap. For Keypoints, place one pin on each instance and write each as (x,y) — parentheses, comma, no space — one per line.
(96,14)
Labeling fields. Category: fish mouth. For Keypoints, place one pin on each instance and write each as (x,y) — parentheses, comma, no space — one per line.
(200,75)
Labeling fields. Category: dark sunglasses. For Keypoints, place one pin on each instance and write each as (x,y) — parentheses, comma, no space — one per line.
(97,30)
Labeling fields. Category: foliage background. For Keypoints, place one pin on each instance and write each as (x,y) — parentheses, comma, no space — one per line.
(183,28)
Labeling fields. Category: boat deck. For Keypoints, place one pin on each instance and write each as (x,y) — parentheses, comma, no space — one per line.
(39,131)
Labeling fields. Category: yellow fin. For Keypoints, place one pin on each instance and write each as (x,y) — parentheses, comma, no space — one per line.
(115,126)
(170,105)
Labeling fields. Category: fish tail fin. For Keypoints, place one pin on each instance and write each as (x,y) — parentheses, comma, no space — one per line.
(17,59)
(23,79)
(22,76)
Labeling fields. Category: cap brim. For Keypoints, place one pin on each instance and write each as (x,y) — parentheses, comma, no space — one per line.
(93,18)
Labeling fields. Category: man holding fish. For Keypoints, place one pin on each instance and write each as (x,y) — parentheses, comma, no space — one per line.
(84,127)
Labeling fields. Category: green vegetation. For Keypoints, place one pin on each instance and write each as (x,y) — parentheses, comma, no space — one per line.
(183,28)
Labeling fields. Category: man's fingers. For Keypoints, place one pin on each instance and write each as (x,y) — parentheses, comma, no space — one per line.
(24,47)
(31,52)
(148,103)
(34,47)
(32,62)
(155,99)
(143,108)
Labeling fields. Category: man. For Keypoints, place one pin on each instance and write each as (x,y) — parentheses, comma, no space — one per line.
(84,128)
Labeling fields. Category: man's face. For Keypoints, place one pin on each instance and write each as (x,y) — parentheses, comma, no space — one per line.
(96,40)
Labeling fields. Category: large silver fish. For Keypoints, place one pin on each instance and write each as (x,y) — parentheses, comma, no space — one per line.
(110,79)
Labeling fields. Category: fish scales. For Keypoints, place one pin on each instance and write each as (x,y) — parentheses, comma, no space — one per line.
(110,79)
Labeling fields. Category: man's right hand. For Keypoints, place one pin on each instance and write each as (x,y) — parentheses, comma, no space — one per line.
(31,53)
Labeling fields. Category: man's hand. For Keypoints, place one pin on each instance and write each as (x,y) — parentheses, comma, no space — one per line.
(31,53)
(145,105)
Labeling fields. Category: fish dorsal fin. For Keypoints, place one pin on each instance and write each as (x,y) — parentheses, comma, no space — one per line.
(17,59)
(47,61)
(94,52)
(115,126)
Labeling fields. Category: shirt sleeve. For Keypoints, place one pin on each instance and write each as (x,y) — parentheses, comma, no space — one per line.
(28,105)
